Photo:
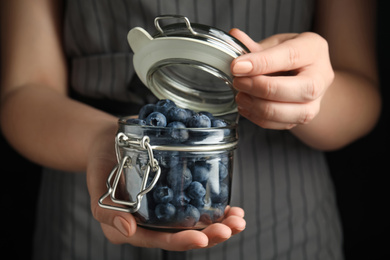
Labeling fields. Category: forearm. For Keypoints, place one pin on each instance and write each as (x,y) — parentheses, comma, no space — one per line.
(50,129)
(349,109)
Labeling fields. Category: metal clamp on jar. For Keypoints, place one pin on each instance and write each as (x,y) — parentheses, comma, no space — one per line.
(184,184)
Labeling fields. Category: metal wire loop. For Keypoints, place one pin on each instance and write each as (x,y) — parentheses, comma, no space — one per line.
(186,20)
(122,140)
(235,49)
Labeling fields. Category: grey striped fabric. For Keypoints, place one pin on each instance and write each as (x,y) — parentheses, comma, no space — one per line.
(283,185)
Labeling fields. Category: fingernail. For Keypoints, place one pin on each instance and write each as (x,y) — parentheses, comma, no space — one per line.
(242,67)
(233,29)
(122,225)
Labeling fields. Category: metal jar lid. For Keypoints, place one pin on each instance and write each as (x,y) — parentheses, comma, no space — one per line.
(187,63)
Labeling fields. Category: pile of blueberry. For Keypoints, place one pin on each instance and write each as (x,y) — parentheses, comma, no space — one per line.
(193,188)
(165,113)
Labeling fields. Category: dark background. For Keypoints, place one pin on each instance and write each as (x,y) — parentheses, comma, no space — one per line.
(359,172)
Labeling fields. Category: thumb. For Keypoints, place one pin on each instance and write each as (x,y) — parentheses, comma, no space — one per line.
(123,222)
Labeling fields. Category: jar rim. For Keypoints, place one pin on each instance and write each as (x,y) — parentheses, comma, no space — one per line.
(199,139)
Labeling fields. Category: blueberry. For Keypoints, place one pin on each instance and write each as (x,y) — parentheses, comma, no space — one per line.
(213,214)
(179,177)
(196,190)
(198,202)
(177,131)
(223,171)
(189,112)
(218,211)
(164,105)
(135,121)
(208,114)
(162,194)
(201,203)
(216,122)
(168,159)
(225,159)
(180,199)
(177,114)
(146,110)
(199,121)
(187,216)
(204,162)
(221,196)
(156,119)
(165,212)
(200,173)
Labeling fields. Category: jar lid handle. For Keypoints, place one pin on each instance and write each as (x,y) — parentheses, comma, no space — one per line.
(137,38)
(162,17)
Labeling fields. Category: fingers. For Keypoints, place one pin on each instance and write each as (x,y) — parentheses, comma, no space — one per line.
(282,82)
(234,211)
(179,241)
(183,240)
(232,224)
(234,219)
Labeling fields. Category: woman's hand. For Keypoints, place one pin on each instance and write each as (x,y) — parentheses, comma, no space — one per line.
(121,227)
(282,81)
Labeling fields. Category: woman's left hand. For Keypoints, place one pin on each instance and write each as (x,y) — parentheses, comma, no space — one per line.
(121,227)
(281,82)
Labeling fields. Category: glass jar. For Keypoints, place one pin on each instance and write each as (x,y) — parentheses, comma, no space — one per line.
(175,184)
